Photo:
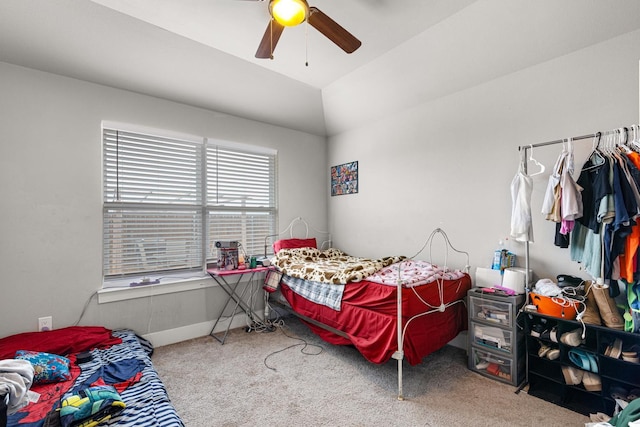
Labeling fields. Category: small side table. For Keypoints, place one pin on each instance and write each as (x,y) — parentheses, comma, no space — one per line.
(225,278)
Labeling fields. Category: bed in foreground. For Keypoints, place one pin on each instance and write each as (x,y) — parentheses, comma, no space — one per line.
(388,308)
(109,379)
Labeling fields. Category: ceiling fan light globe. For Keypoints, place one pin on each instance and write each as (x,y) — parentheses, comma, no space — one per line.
(289,13)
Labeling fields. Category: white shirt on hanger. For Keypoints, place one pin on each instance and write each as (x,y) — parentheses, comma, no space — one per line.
(521,189)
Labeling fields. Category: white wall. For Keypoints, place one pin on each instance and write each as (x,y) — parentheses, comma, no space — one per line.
(51,216)
(449,163)
(446,163)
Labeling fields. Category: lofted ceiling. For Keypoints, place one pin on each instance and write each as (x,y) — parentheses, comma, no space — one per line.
(236,27)
(201,52)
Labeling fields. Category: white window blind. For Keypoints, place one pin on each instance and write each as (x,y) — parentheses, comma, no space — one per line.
(166,200)
(240,197)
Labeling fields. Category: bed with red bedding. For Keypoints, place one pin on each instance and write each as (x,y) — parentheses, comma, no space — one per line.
(368,317)
(388,308)
(101,375)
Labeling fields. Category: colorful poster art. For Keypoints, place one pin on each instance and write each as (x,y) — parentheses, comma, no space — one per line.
(344,179)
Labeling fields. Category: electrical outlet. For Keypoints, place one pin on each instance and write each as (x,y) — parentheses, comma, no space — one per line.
(45,323)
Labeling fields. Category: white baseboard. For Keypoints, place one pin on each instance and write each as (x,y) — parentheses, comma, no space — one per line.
(172,336)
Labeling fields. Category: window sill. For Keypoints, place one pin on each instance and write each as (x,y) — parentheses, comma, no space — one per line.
(108,295)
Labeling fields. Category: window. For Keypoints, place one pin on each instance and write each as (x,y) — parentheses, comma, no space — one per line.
(168,199)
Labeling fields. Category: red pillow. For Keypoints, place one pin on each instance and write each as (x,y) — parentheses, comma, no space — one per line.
(294,243)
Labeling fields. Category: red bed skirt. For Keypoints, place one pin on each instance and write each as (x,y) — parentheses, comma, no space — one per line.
(368,318)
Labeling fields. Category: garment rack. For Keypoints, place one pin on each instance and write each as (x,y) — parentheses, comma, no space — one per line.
(555,142)
(526,245)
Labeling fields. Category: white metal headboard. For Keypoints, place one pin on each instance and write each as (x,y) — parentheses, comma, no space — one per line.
(429,242)
(289,228)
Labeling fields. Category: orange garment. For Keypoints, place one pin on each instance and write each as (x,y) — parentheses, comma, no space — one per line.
(628,258)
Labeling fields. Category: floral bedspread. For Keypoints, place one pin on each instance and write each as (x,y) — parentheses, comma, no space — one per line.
(330,266)
(413,273)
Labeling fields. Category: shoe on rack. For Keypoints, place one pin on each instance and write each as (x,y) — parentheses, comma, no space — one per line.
(591,314)
(609,313)
(618,392)
(573,338)
(546,335)
(591,381)
(583,360)
(536,330)
(633,394)
(615,349)
(572,375)
(544,349)
(607,351)
(630,356)
(553,354)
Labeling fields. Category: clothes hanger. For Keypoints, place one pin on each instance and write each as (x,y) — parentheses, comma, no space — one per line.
(635,144)
(616,143)
(624,142)
(613,145)
(604,145)
(537,163)
(569,160)
(596,158)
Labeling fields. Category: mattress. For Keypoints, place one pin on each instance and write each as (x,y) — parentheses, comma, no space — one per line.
(120,359)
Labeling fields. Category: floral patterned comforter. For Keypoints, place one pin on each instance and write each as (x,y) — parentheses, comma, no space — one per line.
(413,273)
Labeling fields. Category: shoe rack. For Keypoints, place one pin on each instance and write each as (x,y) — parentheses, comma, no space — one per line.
(591,365)
(496,346)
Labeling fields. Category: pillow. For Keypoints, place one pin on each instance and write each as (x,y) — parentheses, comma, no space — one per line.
(49,368)
(294,243)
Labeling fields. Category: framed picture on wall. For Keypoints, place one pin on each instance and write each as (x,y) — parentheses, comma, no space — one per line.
(344,179)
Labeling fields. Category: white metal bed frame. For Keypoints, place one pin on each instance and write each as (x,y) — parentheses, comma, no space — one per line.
(401,330)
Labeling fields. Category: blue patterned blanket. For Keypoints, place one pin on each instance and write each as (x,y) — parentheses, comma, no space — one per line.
(318,292)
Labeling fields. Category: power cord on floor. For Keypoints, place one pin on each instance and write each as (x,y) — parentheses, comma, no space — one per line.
(268,324)
(304,345)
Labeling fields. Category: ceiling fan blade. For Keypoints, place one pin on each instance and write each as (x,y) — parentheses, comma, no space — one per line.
(269,40)
(332,30)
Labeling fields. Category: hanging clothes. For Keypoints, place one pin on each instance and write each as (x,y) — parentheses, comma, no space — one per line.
(551,202)
(571,198)
(521,189)
(625,209)
(587,237)
(611,208)
(586,243)
(562,202)
(597,216)
(628,260)
(586,249)
(594,180)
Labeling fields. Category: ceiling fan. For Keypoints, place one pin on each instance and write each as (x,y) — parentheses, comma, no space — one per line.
(289,13)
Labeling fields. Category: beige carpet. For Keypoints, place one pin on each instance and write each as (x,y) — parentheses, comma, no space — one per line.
(230,385)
